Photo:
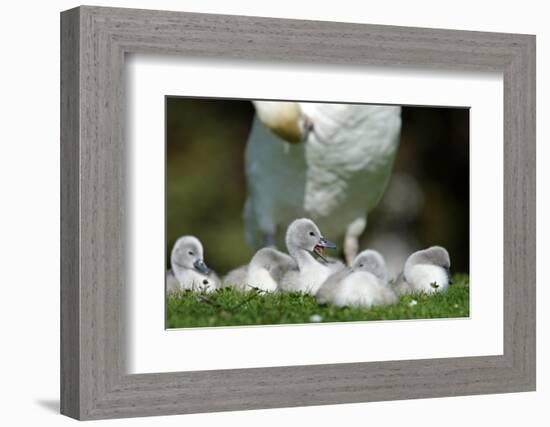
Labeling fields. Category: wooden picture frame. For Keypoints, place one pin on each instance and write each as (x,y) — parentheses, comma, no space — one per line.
(94,41)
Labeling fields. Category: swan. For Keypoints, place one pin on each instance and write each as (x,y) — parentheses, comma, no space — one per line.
(189,271)
(328,162)
(427,270)
(307,247)
(265,271)
(364,284)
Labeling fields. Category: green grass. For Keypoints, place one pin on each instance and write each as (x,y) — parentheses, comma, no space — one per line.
(228,307)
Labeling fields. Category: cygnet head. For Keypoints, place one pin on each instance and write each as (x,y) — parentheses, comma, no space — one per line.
(303,234)
(373,262)
(187,253)
(434,255)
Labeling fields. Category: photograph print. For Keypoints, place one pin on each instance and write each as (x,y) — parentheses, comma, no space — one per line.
(290,212)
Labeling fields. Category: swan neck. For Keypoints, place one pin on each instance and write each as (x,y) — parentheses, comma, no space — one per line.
(302,257)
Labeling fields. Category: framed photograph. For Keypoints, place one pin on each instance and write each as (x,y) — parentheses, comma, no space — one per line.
(403,170)
(274,213)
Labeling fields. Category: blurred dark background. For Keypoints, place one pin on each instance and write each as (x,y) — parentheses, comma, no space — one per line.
(426,203)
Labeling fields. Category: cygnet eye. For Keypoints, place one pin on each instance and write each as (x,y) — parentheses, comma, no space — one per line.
(360,265)
(190,252)
(311,233)
(205,282)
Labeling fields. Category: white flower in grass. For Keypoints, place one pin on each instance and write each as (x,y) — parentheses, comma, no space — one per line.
(413,303)
(316,318)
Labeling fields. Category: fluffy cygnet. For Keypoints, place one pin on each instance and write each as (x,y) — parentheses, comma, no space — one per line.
(265,271)
(307,247)
(426,271)
(365,283)
(189,268)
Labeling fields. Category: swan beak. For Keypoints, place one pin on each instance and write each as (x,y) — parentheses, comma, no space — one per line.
(284,119)
(201,267)
(321,246)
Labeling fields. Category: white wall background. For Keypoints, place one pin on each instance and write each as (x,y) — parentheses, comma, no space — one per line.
(29,177)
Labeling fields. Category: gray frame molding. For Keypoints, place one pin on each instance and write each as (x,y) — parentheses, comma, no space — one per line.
(94,41)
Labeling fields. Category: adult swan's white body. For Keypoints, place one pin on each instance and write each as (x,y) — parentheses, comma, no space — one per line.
(329,162)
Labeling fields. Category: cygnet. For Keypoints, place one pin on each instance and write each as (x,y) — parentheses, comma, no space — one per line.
(365,283)
(427,271)
(188,267)
(307,247)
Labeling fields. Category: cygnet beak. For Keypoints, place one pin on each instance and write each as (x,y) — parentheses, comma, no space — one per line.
(201,267)
(321,246)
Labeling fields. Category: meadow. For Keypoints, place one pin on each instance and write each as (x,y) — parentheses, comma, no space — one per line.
(230,307)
